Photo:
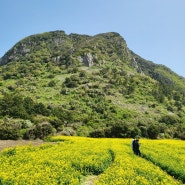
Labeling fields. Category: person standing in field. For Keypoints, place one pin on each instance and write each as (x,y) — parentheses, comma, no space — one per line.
(136,146)
(133,143)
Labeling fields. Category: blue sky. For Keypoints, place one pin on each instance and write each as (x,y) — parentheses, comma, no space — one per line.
(153,29)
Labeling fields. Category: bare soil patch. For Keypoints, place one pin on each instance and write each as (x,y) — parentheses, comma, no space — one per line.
(12,143)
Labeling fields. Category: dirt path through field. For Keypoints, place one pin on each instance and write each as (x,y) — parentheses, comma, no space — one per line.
(89,180)
(12,143)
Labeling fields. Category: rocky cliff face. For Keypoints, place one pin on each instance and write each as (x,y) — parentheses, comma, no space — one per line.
(73,49)
(88,59)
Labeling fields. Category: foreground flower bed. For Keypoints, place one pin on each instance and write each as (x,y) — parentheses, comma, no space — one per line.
(72,158)
(168,154)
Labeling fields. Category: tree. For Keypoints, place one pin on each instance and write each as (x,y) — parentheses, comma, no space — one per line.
(41,109)
(29,105)
(13,106)
(119,130)
(40,131)
(153,131)
(170,119)
(10,129)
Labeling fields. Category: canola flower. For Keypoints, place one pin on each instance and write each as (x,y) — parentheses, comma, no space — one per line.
(133,170)
(168,154)
(72,158)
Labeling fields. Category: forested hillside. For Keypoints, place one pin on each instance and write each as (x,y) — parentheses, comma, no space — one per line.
(54,83)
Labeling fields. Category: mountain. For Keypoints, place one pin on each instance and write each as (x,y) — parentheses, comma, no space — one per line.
(87,85)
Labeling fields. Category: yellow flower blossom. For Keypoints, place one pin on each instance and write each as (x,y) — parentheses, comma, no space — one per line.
(112,160)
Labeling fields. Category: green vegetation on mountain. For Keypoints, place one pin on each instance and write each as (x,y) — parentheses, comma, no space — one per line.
(89,86)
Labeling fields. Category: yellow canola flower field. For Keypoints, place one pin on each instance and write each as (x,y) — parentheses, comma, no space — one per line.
(168,154)
(70,159)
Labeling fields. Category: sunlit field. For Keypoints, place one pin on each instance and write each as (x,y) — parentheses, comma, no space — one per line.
(70,160)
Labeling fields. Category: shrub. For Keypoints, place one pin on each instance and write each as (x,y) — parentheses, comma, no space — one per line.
(10,129)
(52,83)
(169,119)
(40,131)
(57,123)
(153,131)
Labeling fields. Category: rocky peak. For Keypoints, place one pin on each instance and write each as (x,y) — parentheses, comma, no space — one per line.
(59,47)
